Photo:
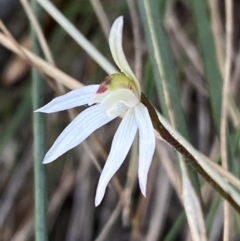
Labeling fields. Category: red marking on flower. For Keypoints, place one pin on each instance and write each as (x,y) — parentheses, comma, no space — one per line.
(101,89)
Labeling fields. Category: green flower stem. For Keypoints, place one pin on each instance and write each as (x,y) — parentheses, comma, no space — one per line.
(39,143)
(167,136)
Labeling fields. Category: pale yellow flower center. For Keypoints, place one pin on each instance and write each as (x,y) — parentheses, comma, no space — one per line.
(116,92)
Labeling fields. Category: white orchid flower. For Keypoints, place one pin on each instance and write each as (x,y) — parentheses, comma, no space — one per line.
(119,94)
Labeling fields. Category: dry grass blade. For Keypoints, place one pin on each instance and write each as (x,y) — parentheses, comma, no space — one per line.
(161,202)
(41,38)
(225,92)
(84,213)
(166,157)
(226,174)
(25,231)
(102,236)
(193,209)
(18,47)
(102,17)
(38,31)
(182,39)
(217,31)
(15,66)
(48,69)
(77,36)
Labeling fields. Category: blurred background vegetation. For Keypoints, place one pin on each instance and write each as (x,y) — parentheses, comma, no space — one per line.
(196,36)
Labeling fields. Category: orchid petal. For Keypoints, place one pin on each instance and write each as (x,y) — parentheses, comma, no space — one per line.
(77,131)
(121,144)
(70,100)
(126,96)
(146,144)
(115,43)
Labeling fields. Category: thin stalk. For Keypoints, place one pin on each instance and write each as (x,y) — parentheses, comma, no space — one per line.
(213,179)
(223,126)
(39,142)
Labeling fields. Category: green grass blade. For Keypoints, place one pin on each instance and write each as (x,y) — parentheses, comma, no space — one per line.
(175,228)
(148,84)
(38,85)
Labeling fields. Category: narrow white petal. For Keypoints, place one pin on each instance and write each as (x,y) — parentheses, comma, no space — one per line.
(115,43)
(121,144)
(72,99)
(77,131)
(125,96)
(146,144)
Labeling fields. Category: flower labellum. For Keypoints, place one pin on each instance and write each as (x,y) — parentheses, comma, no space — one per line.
(119,94)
